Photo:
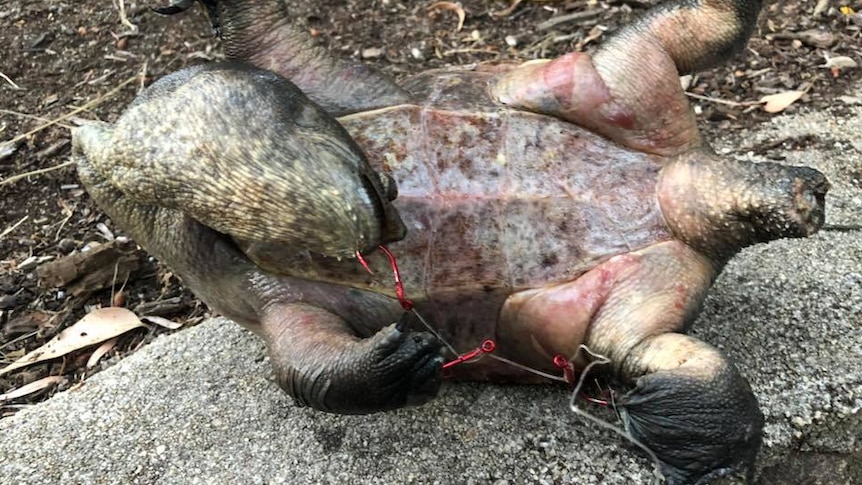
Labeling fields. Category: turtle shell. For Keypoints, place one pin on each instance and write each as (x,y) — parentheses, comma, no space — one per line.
(493,198)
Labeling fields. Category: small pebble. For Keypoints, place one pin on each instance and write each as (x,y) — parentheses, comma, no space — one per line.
(372,53)
(66,245)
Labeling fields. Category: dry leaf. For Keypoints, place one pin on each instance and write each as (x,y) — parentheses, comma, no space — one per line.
(30,388)
(839,62)
(162,322)
(7,148)
(775,103)
(96,327)
(100,352)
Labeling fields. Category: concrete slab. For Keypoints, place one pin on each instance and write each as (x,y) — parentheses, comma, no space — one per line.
(200,406)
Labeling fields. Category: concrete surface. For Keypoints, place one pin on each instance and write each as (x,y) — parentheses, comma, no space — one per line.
(200,406)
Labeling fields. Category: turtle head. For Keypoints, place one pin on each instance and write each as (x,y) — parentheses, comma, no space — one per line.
(719,207)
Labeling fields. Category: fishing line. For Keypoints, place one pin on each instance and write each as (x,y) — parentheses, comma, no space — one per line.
(598,359)
(487,347)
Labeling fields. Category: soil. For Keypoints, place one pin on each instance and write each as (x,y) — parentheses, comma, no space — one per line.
(77,57)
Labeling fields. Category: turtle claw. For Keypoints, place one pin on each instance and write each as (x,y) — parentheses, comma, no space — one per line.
(401,326)
(180,6)
(404,368)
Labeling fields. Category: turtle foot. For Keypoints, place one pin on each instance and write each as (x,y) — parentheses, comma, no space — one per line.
(701,425)
(392,369)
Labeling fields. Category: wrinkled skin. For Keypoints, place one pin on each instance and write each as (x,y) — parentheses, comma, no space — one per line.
(546,206)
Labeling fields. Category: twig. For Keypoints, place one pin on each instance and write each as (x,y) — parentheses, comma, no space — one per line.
(735,104)
(455,7)
(143,76)
(489,50)
(514,5)
(18,339)
(576,17)
(32,117)
(508,10)
(15,178)
(842,227)
(10,81)
(125,20)
(65,220)
(89,105)
(93,82)
(564,38)
(13,227)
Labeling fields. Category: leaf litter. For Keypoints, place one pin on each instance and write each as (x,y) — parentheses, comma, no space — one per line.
(96,327)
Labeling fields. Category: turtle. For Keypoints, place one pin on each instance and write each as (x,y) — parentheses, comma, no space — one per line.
(545,207)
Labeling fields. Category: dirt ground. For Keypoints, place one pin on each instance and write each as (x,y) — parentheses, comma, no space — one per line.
(63,60)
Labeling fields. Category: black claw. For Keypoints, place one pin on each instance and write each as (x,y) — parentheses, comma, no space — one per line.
(169,10)
(182,5)
(402,323)
(393,369)
(426,380)
(174,8)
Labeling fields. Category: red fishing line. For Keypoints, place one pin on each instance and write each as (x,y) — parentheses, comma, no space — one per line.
(563,363)
(487,346)
(399,286)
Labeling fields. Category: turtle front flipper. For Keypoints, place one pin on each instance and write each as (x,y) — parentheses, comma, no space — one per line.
(629,90)
(320,362)
(317,356)
(244,152)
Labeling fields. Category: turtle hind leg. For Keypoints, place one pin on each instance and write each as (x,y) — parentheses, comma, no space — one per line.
(319,362)
(641,63)
(699,416)
(629,90)
(317,356)
(693,35)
